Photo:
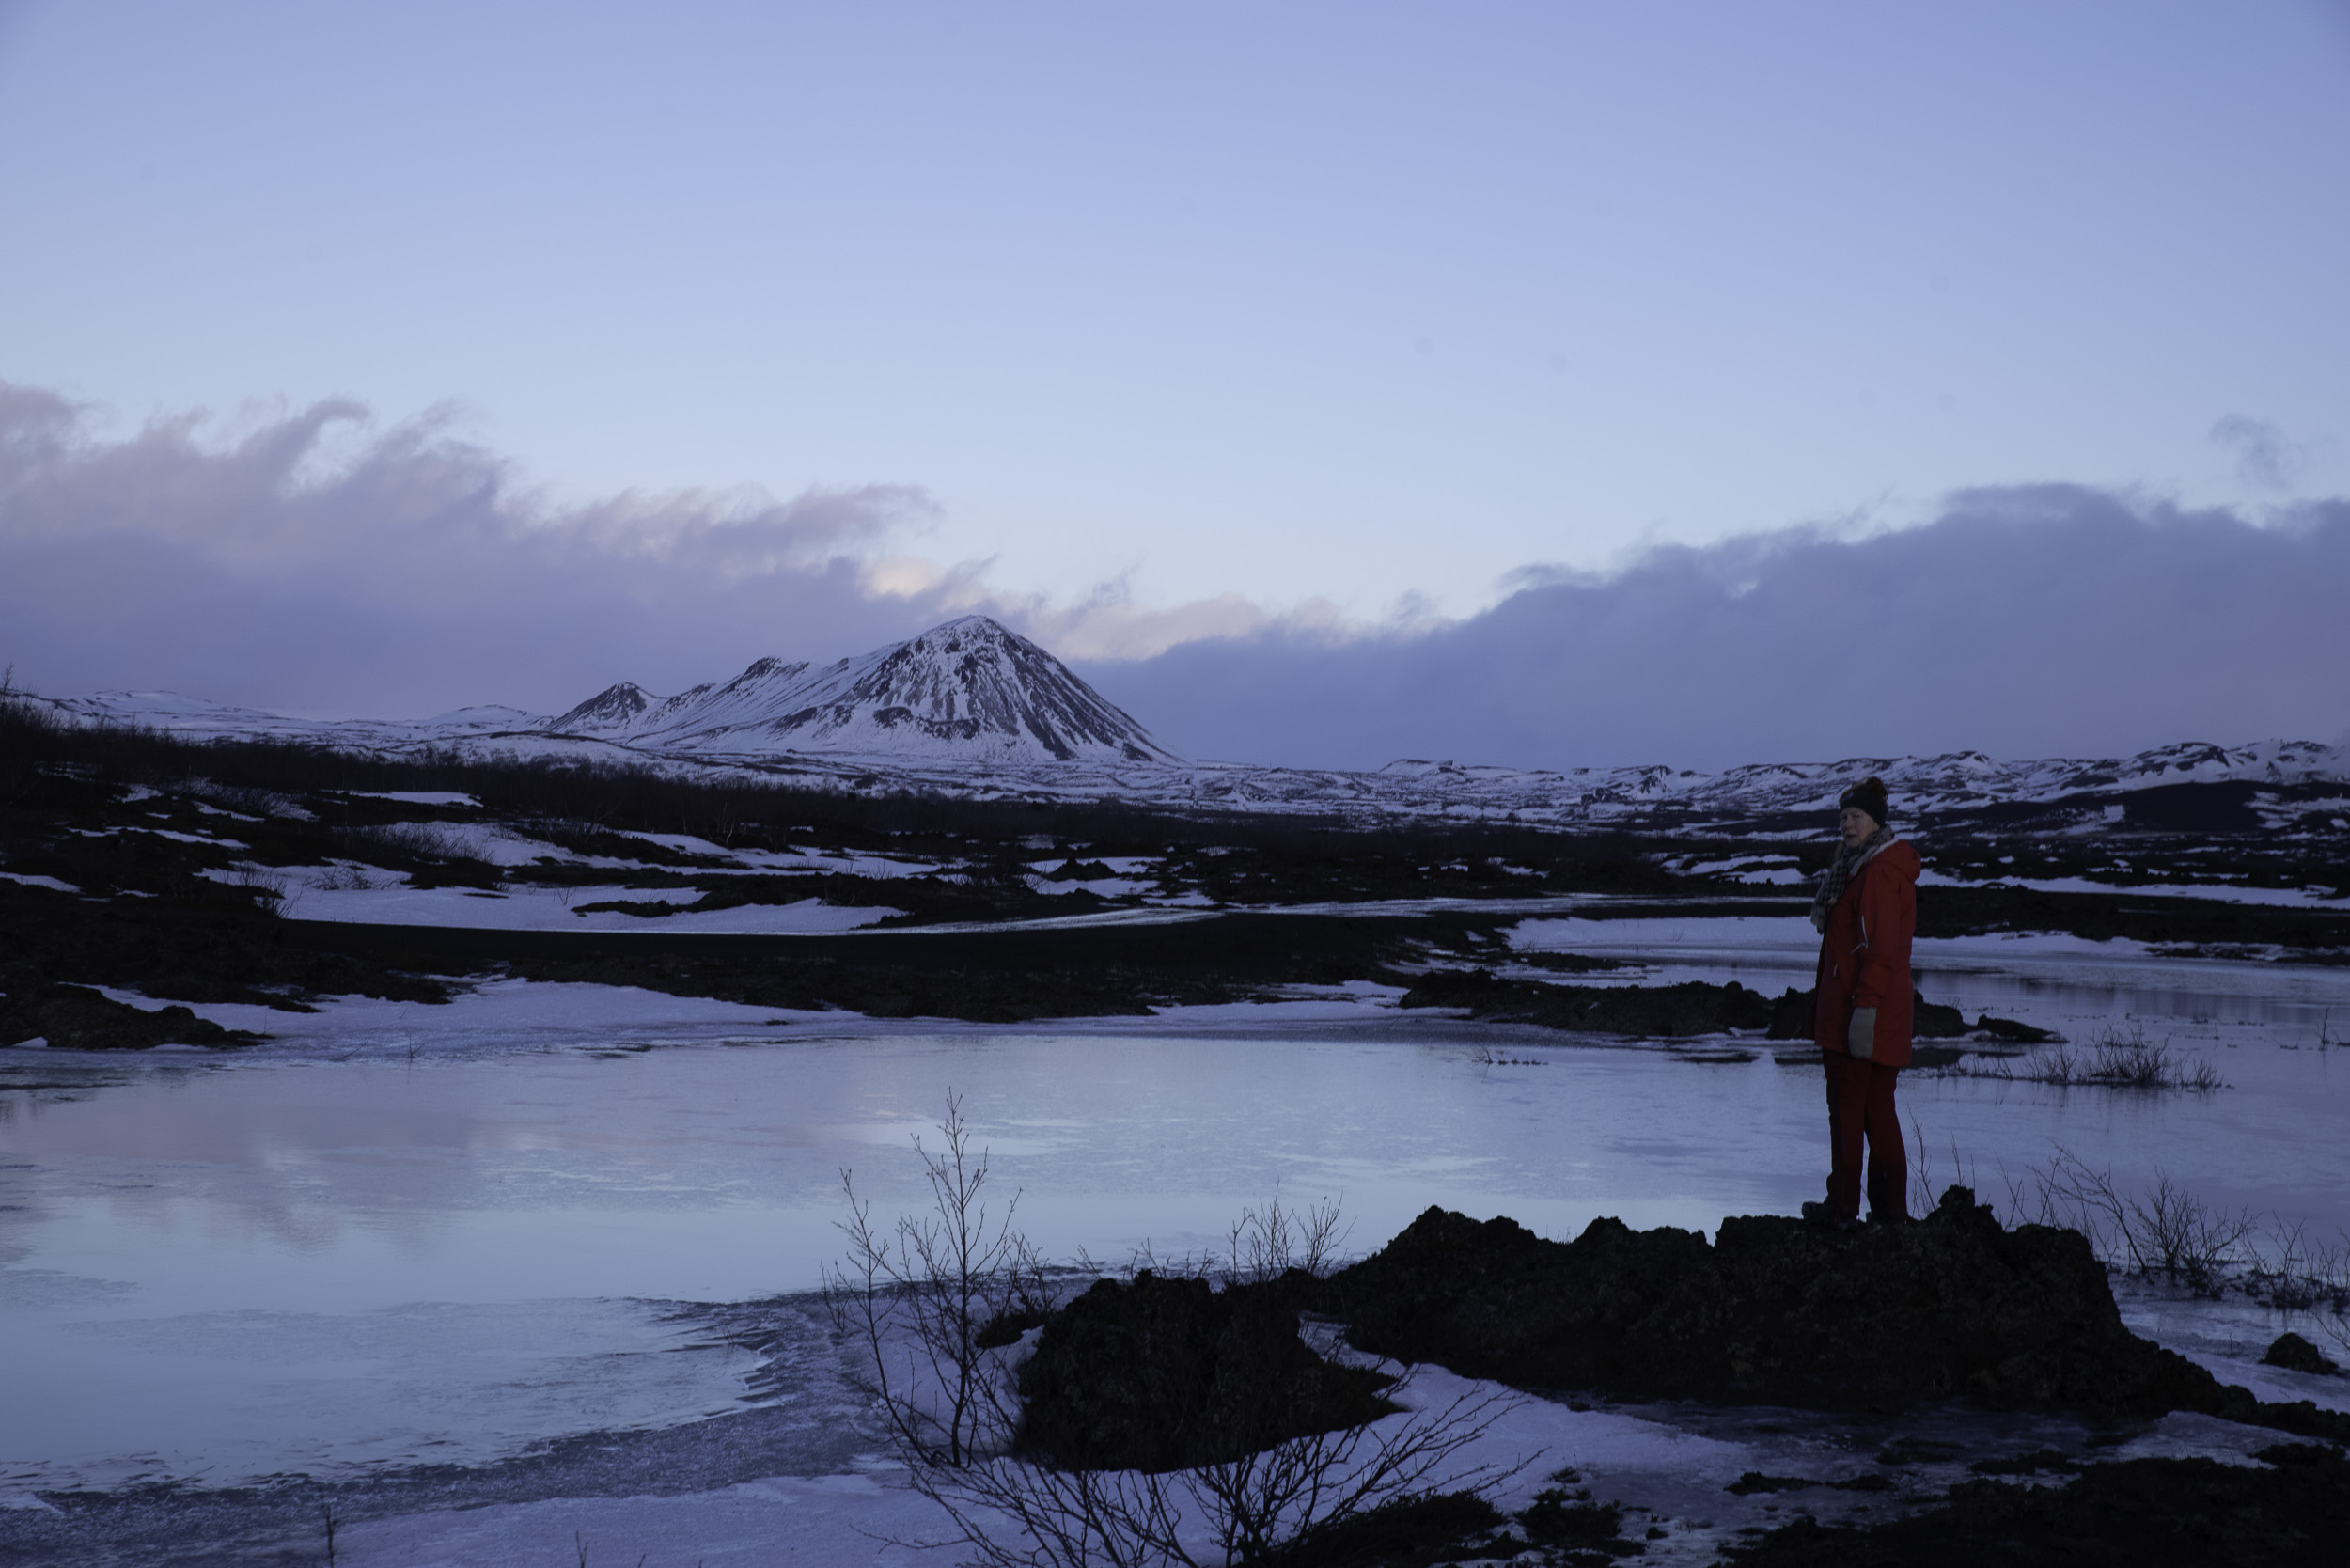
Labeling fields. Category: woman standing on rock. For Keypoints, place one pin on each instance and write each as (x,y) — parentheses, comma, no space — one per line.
(1866,912)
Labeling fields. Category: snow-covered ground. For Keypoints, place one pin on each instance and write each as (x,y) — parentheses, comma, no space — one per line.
(964,736)
(2282,898)
(398,1235)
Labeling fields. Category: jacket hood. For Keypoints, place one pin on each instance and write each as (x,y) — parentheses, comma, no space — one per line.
(1897,857)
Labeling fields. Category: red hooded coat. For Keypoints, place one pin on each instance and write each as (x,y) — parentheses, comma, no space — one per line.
(1864,955)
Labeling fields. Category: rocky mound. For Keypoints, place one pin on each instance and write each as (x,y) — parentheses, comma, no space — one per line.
(1791,1019)
(1163,1373)
(1670,1012)
(1677,1011)
(1779,1312)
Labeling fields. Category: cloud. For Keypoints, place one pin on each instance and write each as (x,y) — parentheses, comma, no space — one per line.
(2045,621)
(311,561)
(2263,456)
(415,574)
(307,560)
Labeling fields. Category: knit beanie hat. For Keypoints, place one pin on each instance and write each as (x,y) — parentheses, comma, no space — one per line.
(1869,794)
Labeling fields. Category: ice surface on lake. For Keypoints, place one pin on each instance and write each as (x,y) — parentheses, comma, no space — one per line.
(400,1234)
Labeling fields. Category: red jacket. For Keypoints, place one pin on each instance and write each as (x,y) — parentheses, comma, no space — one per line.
(1864,955)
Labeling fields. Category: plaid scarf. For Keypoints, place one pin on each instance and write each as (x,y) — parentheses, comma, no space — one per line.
(1837,876)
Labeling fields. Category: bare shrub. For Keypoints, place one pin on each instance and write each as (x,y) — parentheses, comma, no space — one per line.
(1923,1185)
(251,801)
(2302,1278)
(2336,1326)
(1247,1508)
(270,886)
(2295,1274)
(919,1295)
(2115,1060)
(414,840)
(2165,1230)
(929,1302)
(1266,1243)
(2172,1231)
(2169,1232)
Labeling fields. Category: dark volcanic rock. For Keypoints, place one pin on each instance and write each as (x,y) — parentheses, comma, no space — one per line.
(2146,1512)
(76,1018)
(1791,1014)
(2009,1030)
(1933,1021)
(1778,1312)
(1671,1011)
(1166,1373)
(2295,1353)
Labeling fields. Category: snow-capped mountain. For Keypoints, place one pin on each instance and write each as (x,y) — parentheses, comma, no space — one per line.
(968,688)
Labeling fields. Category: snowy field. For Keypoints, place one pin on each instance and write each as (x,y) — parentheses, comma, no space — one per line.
(561,1239)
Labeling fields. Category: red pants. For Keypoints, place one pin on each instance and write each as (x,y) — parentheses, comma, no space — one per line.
(1860,1104)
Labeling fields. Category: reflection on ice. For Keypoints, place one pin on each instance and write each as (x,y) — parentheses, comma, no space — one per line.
(228,1395)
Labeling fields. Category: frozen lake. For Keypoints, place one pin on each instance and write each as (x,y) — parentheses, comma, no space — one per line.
(401,1236)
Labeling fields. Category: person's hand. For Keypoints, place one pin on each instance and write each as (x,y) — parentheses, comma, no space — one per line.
(1861,1038)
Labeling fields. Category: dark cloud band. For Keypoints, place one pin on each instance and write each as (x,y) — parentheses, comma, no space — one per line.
(2043,621)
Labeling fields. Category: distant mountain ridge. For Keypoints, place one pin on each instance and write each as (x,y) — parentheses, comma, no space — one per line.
(1952,780)
(971,709)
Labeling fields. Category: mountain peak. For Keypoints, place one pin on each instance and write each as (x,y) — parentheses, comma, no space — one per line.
(969,687)
(617,707)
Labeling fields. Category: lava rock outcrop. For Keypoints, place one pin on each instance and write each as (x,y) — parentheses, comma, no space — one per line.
(1779,1311)
(1670,1012)
(1165,1372)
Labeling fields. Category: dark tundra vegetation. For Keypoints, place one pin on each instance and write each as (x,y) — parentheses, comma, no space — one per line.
(172,868)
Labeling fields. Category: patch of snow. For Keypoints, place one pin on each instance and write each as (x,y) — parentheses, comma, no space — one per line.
(814,1519)
(683,843)
(416,797)
(524,908)
(2220,892)
(29,881)
(492,844)
(491,1013)
(172,834)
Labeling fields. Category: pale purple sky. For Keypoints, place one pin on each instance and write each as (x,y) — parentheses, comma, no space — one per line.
(1521,383)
